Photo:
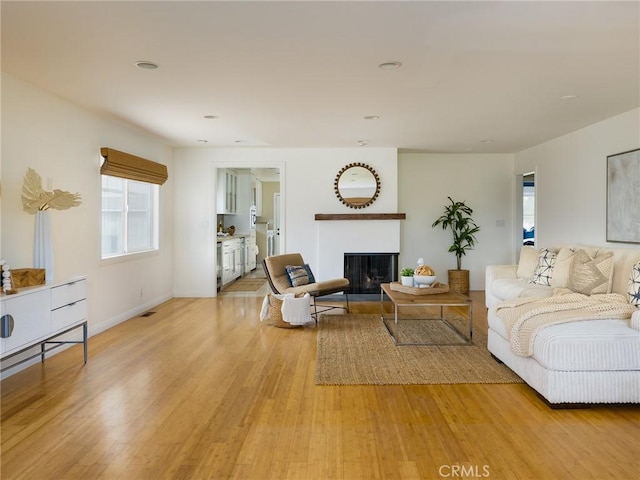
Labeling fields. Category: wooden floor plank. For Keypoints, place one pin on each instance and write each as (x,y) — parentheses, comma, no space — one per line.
(202,389)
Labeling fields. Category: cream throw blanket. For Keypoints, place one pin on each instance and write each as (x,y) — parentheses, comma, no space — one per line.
(525,317)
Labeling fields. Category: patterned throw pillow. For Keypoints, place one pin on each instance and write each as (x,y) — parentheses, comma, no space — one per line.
(312,279)
(634,285)
(591,275)
(544,269)
(299,275)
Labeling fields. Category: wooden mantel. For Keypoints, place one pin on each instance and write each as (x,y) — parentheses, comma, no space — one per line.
(360,216)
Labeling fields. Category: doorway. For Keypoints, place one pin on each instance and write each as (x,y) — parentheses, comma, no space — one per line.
(276,223)
(525,211)
(247,203)
(528,209)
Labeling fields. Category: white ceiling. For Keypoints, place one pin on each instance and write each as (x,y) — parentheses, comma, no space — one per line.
(304,74)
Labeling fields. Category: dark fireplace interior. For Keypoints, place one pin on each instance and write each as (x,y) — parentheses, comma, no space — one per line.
(366,271)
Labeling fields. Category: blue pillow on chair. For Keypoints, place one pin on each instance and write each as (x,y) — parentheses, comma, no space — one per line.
(299,275)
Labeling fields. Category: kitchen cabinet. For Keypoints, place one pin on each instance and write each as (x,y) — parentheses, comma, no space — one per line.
(238,248)
(219,264)
(232,259)
(250,252)
(227,195)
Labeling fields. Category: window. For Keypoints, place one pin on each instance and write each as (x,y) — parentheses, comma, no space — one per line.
(129,216)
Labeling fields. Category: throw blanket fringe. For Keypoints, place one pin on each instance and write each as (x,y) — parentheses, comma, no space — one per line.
(525,317)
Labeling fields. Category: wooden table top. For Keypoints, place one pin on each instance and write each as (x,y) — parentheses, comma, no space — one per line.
(447,298)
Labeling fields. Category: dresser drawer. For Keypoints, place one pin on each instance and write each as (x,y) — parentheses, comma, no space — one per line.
(69,314)
(68,293)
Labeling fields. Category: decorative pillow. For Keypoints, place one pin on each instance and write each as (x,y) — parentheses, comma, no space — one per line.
(528,262)
(299,275)
(544,269)
(589,275)
(562,267)
(312,279)
(634,285)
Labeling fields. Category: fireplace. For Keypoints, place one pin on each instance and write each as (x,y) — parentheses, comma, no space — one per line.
(366,271)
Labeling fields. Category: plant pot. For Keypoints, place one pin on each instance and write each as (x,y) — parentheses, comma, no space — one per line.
(407,281)
(459,281)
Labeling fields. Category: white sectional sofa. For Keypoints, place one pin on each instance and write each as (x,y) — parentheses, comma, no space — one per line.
(585,353)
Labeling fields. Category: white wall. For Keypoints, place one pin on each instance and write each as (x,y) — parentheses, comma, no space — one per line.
(485,182)
(571,179)
(307,177)
(62,143)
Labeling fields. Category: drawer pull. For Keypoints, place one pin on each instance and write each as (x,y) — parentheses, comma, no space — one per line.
(6,326)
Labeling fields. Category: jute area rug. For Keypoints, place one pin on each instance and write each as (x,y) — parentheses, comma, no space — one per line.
(356,349)
(246,285)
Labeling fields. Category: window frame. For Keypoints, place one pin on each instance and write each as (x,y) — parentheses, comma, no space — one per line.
(154,221)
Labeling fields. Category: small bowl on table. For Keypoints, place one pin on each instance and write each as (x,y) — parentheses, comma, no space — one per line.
(424,281)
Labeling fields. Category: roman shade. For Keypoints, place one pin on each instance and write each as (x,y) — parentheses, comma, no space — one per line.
(125,165)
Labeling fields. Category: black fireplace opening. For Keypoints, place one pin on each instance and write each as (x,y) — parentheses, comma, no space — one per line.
(366,271)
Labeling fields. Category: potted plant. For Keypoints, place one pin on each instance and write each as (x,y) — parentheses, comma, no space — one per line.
(457,218)
(406,276)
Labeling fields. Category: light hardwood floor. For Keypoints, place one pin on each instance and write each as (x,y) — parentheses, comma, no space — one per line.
(201,389)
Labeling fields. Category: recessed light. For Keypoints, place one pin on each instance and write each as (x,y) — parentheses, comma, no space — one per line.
(488,140)
(362,143)
(568,97)
(372,117)
(211,117)
(240,141)
(203,141)
(146,65)
(389,65)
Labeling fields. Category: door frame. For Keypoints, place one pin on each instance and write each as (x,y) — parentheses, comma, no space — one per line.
(215,165)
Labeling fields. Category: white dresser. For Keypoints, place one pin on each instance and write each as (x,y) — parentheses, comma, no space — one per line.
(37,316)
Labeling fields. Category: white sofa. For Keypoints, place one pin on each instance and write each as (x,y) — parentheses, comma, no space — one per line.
(581,361)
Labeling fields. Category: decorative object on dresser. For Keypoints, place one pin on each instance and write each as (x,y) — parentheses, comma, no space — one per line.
(37,316)
(38,201)
(457,218)
(27,277)
(5,274)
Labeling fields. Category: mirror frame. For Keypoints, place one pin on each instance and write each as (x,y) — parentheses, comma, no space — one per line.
(346,202)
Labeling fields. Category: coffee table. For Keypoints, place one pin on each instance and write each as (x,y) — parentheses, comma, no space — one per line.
(441,300)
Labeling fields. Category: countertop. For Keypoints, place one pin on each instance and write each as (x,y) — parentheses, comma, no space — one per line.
(221,238)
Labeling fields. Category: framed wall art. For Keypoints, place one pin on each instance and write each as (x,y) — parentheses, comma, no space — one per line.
(623,197)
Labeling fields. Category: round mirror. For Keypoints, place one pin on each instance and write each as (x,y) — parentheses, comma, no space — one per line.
(357,185)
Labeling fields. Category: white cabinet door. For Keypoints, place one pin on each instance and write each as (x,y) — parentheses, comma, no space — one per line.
(247,253)
(227,262)
(252,251)
(227,201)
(239,257)
(31,318)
